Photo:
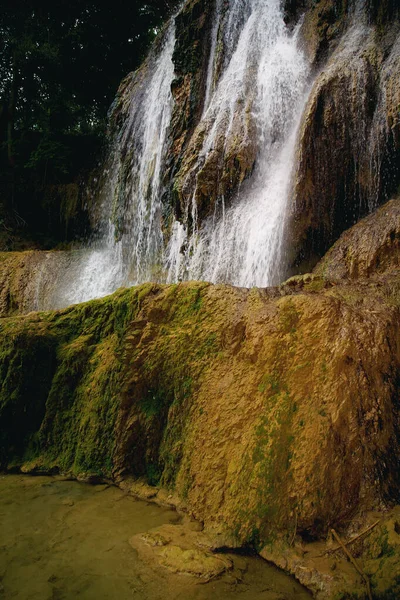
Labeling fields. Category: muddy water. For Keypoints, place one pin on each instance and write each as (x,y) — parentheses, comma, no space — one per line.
(62,540)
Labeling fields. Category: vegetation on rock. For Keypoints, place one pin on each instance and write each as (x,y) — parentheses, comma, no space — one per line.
(271,415)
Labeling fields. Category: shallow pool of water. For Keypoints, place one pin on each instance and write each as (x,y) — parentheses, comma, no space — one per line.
(61,540)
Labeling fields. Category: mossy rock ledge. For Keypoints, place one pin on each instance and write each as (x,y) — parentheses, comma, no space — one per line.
(271,415)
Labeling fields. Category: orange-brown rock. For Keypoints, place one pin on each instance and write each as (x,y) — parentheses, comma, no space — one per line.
(271,416)
(28,280)
(349,153)
(224,395)
(232,156)
(225,167)
(371,246)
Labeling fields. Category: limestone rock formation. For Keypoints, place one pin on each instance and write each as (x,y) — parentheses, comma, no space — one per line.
(232,157)
(348,146)
(186,173)
(220,393)
(371,246)
(349,153)
(269,415)
(29,280)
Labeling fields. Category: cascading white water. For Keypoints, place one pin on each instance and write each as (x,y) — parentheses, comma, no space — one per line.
(131,255)
(267,75)
(211,61)
(258,77)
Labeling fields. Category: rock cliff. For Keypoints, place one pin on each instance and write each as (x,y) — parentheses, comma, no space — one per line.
(234,151)
(268,414)
(371,246)
(348,147)
(349,140)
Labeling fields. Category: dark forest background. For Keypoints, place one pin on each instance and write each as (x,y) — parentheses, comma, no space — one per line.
(60,66)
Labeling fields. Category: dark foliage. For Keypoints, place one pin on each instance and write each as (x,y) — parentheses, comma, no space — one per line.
(60,66)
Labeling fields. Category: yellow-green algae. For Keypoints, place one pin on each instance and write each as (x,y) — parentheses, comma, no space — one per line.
(269,413)
(66,374)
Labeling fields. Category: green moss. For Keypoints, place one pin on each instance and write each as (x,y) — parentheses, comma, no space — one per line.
(153,473)
(135,357)
(392,593)
(289,316)
(153,402)
(268,462)
(61,384)
(387,549)
(27,364)
(317,284)
(272,383)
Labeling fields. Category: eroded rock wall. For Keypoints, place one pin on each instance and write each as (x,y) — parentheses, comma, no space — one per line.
(349,153)
(348,150)
(187,174)
(29,280)
(371,246)
(259,409)
(269,415)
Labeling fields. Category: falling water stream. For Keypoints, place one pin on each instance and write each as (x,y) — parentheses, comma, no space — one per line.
(260,79)
(131,256)
(243,244)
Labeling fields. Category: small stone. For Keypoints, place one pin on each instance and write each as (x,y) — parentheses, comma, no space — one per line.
(195,525)
(194,562)
(155,539)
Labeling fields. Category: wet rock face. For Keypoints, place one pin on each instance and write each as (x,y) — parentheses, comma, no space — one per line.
(232,158)
(323,24)
(29,280)
(193,30)
(383,12)
(219,394)
(349,148)
(270,415)
(190,55)
(371,246)
(349,140)
(349,151)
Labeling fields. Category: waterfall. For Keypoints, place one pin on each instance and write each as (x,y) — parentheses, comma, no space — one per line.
(265,77)
(256,85)
(130,244)
(211,62)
